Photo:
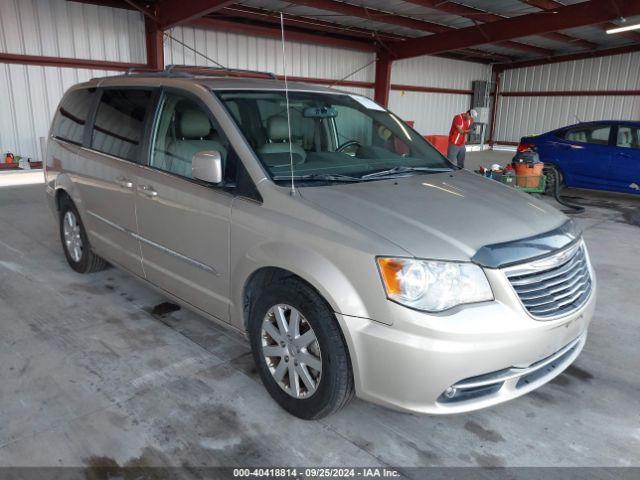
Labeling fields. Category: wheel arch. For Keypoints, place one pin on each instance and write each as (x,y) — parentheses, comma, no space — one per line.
(276,260)
(61,194)
(64,186)
(261,278)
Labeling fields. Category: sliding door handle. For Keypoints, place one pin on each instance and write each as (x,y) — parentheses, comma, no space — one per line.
(124,182)
(149,191)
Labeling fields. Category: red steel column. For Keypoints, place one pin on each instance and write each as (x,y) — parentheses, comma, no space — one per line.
(382,84)
(155,49)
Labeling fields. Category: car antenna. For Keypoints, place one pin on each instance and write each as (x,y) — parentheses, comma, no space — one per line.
(577,118)
(286,93)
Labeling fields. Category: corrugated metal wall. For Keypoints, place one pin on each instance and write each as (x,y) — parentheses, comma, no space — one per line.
(518,116)
(242,51)
(29,98)
(29,94)
(59,28)
(433,112)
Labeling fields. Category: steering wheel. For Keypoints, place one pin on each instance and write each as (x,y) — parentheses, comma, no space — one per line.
(347,144)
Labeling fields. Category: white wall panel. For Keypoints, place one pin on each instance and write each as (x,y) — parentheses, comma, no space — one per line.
(518,116)
(616,72)
(59,28)
(429,71)
(30,95)
(254,53)
(433,112)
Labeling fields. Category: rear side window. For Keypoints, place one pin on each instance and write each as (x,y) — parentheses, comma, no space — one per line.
(72,115)
(598,134)
(119,123)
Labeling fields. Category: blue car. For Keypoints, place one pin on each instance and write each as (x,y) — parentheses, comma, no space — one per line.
(602,155)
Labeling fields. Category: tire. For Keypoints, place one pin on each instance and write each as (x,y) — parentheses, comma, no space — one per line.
(75,242)
(552,172)
(334,387)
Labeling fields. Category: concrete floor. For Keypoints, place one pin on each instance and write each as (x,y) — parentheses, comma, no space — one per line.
(90,374)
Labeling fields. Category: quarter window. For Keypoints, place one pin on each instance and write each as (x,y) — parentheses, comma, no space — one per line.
(118,128)
(72,116)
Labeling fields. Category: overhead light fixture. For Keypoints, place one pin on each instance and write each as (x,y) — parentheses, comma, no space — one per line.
(624,29)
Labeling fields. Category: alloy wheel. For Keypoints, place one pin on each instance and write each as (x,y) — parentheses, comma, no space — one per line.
(72,237)
(291,351)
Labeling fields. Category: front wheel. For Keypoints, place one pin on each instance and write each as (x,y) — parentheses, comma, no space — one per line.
(299,350)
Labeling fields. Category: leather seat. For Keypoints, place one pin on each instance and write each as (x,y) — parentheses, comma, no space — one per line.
(276,151)
(624,138)
(193,128)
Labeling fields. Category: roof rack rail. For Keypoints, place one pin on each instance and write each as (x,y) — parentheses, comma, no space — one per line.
(149,72)
(169,69)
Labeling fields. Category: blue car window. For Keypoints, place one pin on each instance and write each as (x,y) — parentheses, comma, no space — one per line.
(597,134)
(628,137)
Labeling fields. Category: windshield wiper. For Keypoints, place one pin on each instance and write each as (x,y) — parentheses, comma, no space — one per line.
(318,177)
(400,170)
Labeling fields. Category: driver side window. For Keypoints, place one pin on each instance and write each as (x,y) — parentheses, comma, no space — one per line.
(184,128)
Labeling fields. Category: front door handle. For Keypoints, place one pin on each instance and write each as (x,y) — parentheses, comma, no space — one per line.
(149,191)
(624,154)
(124,182)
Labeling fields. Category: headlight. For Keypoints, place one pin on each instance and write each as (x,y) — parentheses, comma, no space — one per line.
(431,285)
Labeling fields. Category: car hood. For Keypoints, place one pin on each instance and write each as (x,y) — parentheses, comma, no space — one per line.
(444,216)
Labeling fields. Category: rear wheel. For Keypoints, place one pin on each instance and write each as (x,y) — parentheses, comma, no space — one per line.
(75,242)
(553,174)
(299,350)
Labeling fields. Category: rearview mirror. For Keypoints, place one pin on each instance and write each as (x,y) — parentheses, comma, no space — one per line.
(320,112)
(207,166)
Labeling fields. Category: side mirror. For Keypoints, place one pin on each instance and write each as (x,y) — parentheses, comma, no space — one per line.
(207,166)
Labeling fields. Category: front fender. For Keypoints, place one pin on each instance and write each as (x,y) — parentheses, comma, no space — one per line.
(316,269)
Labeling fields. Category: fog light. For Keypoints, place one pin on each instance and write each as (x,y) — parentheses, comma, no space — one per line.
(450,392)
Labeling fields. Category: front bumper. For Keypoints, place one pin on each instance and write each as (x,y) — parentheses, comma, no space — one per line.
(490,352)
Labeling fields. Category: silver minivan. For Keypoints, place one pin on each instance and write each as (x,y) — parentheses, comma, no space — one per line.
(355,257)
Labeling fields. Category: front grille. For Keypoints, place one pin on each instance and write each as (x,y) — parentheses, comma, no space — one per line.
(553,286)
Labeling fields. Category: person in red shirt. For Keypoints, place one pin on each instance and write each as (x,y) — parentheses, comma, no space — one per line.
(460,128)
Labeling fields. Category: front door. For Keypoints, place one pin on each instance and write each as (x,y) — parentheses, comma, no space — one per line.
(111,166)
(625,161)
(184,223)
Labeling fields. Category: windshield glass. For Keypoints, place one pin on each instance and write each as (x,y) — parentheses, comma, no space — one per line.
(334,137)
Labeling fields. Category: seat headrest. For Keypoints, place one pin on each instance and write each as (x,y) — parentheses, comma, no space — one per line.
(194,124)
(277,129)
(624,137)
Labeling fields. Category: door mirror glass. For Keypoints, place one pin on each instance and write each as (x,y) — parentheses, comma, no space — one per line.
(207,166)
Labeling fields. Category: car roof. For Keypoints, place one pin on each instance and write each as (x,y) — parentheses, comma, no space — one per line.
(600,122)
(210,82)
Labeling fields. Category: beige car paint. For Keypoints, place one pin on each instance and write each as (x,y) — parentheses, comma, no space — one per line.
(202,245)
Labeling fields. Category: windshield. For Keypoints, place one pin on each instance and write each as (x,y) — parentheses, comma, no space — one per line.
(334,137)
